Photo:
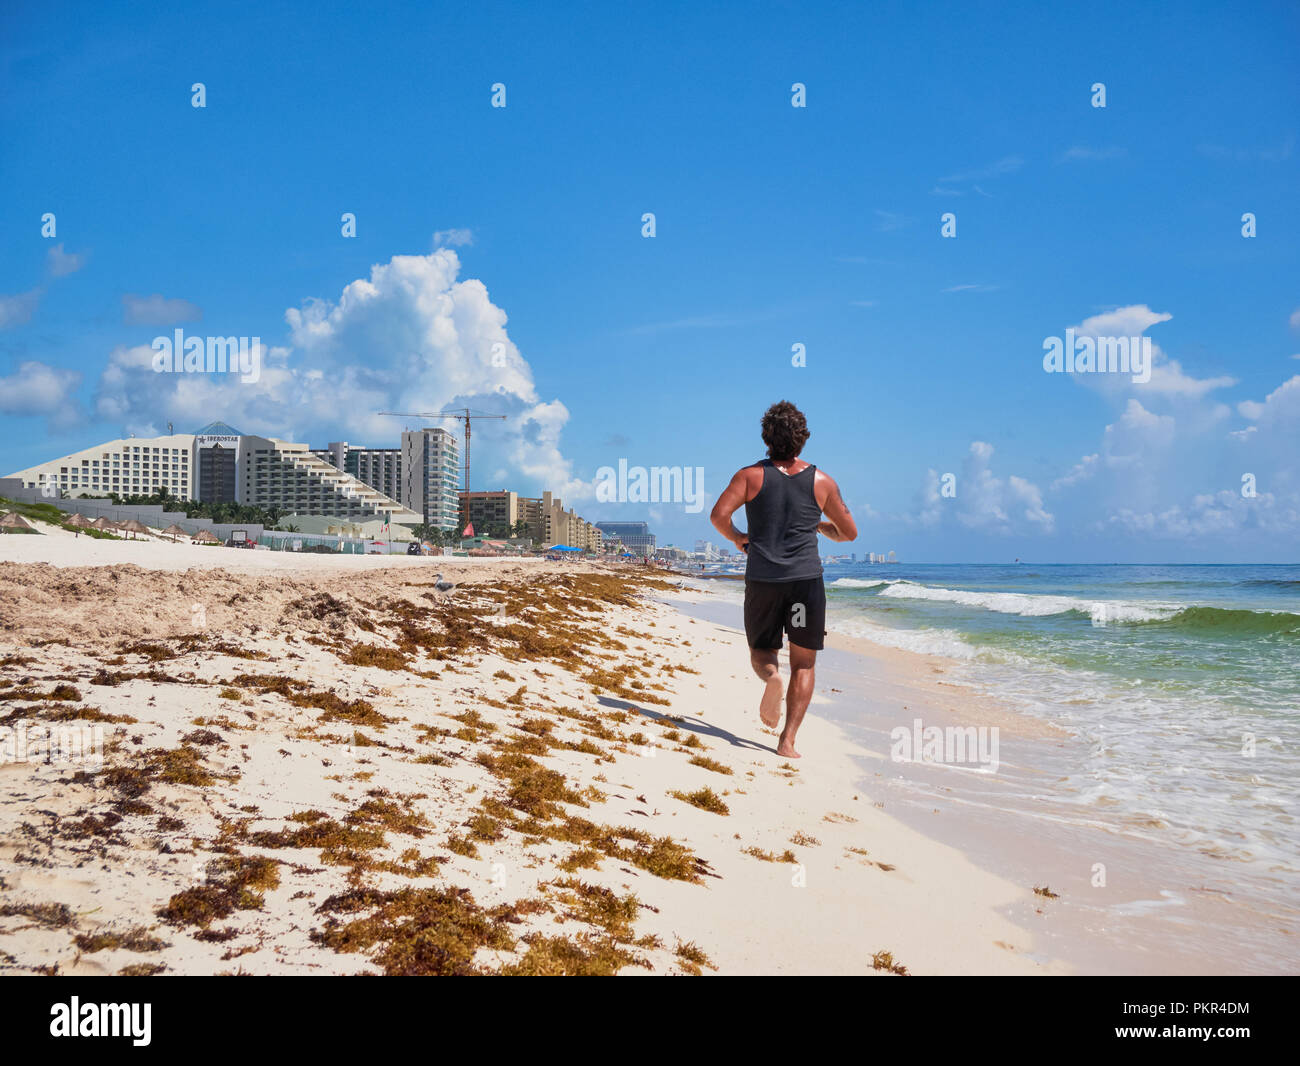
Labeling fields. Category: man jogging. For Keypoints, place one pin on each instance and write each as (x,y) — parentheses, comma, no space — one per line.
(784,498)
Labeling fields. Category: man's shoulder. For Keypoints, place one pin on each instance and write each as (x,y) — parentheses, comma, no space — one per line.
(751,477)
(824,486)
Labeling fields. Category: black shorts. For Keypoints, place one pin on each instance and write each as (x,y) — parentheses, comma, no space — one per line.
(797,607)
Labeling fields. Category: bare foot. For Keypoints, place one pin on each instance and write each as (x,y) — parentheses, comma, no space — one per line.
(786,750)
(769,708)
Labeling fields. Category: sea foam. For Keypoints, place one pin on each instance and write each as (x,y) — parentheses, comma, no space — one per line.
(1031,606)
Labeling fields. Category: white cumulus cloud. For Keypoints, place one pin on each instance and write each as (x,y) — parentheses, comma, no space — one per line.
(39,389)
(983,501)
(410,337)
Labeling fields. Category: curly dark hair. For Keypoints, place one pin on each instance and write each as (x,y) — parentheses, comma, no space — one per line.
(785,431)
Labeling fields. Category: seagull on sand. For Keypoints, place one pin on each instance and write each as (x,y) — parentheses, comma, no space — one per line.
(443,586)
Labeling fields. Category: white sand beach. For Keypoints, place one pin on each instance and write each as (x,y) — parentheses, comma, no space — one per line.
(308,758)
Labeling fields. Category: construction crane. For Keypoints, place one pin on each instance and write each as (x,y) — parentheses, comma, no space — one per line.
(465,415)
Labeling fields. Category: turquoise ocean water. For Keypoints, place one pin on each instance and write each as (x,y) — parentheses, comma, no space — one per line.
(1182,681)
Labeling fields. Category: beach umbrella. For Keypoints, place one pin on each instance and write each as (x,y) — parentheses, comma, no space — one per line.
(13,520)
(132,525)
(104,523)
(174,531)
(204,536)
(78,520)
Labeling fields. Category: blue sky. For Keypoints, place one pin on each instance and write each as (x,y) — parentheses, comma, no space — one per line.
(520,227)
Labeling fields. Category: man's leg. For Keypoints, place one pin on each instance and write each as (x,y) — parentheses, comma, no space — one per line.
(803,662)
(764,606)
(763,660)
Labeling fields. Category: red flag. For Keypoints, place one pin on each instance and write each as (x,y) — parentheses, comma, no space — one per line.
(469,530)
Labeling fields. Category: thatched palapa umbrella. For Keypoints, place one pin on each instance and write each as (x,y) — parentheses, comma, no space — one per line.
(106,524)
(204,536)
(13,520)
(132,525)
(174,531)
(78,520)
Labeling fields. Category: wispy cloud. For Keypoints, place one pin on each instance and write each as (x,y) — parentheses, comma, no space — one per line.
(862,303)
(1250,155)
(1006,165)
(453,238)
(714,321)
(17,310)
(61,263)
(1082,151)
(888,221)
(865,260)
(972,288)
(158,310)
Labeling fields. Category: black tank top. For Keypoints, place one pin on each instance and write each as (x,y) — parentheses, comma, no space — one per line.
(782,522)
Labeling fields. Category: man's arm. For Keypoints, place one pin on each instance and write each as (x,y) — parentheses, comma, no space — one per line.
(731,500)
(839,525)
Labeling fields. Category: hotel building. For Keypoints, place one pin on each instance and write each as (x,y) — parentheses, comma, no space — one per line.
(423,474)
(380,468)
(548,521)
(636,536)
(566,527)
(133,465)
(430,474)
(218,465)
(290,477)
(490,512)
